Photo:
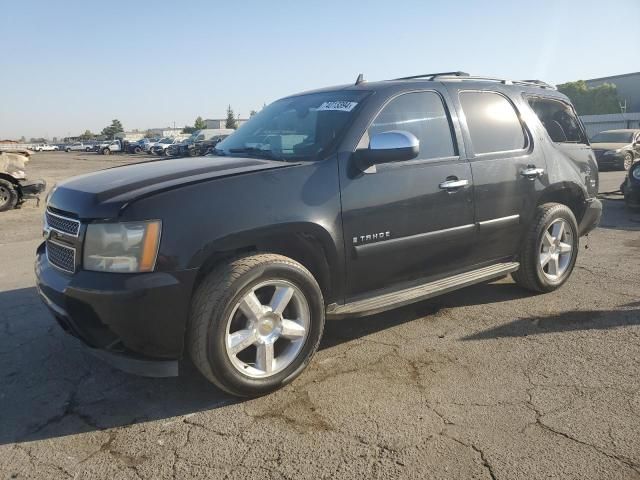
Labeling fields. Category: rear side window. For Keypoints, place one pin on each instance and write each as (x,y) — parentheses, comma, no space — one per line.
(493,123)
(558,119)
(424,115)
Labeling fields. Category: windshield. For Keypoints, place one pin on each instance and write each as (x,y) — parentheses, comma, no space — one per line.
(295,128)
(613,137)
(166,140)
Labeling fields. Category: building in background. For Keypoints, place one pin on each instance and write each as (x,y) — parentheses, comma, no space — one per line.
(628,86)
(222,122)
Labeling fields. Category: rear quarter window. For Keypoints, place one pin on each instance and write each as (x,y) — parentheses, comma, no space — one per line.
(558,119)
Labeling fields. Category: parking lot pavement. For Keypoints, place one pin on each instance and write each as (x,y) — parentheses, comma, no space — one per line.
(487,382)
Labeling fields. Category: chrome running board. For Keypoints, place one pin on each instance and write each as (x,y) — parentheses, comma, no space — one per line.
(388,301)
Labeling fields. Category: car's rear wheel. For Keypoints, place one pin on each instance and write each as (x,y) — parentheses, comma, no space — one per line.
(87,149)
(137,150)
(255,323)
(550,249)
(8,195)
(627,161)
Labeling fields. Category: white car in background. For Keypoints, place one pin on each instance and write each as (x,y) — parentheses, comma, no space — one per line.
(43,147)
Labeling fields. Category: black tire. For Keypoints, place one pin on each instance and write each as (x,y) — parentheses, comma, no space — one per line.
(213,304)
(106,151)
(87,149)
(531,275)
(627,161)
(8,195)
(67,150)
(137,150)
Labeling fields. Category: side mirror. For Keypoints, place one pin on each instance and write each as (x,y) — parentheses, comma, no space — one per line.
(385,147)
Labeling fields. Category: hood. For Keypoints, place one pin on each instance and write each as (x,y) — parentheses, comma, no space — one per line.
(608,146)
(104,193)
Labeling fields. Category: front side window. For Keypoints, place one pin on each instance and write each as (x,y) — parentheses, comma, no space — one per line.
(558,119)
(300,128)
(493,123)
(422,114)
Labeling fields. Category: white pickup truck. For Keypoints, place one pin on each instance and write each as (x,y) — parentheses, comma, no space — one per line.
(78,147)
(110,146)
(43,147)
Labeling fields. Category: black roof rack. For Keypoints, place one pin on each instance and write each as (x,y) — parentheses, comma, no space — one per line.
(466,76)
(431,76)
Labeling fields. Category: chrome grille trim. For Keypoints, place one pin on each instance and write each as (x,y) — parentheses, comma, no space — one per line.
(59,223)
(60,265)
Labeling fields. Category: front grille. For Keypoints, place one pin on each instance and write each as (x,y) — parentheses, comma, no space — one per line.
(61,256)
(62,224)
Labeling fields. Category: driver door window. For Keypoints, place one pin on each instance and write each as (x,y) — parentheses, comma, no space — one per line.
(424,115)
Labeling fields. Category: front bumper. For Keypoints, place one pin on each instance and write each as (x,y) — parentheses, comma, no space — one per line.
(613,160)
(591,217)
(136,322)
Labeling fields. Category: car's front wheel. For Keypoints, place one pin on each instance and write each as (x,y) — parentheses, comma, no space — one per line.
(106,151)
(255,323)
(627,161)
(549,250)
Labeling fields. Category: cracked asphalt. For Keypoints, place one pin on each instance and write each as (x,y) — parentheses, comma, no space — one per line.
(488,382)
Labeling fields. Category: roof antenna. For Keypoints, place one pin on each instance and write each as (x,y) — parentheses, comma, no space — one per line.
(360,79)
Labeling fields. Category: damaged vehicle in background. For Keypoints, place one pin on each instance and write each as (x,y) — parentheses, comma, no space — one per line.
(14,187)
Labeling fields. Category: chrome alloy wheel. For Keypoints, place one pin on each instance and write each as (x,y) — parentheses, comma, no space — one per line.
(556,249)
(267,328)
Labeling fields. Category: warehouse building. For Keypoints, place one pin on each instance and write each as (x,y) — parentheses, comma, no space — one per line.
(628,86)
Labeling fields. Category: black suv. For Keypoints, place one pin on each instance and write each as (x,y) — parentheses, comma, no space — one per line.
(335,203)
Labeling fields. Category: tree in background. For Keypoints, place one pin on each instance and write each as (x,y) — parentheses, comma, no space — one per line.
(592,100)
(111,130)
(199,124)
(149,134)
(252,113)
(87,135)
(231,119)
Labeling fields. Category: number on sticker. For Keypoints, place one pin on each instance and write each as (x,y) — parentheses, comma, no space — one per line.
(338,106)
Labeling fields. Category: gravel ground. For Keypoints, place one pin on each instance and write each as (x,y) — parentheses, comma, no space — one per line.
(487,382)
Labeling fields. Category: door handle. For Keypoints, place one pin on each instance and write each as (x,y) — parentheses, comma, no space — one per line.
(531,172)
(453,184)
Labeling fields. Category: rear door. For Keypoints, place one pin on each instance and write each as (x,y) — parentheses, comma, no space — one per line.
(399,224)
(507,170)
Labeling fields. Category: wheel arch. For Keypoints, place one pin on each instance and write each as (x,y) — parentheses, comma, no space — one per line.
(10,179)
(566,193)
(307,243)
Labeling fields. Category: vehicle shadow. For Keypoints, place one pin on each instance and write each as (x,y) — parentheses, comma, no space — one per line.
(50,386)
(563,322)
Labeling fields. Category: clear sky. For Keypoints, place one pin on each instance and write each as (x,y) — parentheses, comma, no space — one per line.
(73,65)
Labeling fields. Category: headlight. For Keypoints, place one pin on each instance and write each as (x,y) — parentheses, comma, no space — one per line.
(122,247)
(635,173)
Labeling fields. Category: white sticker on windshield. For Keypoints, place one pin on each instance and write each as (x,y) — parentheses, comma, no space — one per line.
(339,106)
